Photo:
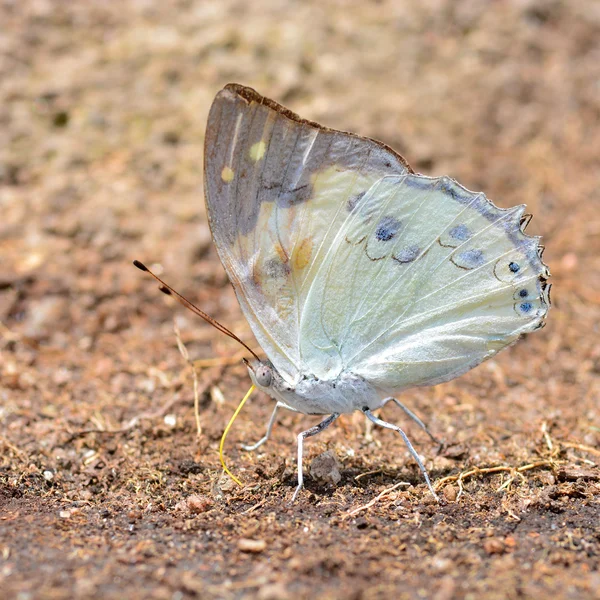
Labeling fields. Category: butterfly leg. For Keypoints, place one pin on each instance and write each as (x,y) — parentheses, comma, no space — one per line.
(412,451)
(416,419)
(301,437)
(250,447)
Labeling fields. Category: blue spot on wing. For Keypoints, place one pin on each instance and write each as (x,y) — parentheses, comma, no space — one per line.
(354,200)
(407,255)
(460,233)
(387,229)
(469,259)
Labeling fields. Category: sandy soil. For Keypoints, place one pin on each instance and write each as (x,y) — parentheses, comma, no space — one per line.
(105,489)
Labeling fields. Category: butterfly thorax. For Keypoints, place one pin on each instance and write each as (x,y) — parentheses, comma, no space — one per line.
(313,396)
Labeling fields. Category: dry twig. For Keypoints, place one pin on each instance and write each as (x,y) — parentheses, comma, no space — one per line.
(375,500)
(487,470)
(581,447)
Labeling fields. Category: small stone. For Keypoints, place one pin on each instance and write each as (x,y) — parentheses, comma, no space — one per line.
(273,591)
(450,493)
(456,451)
(170,420)
(216,396)
(494,546)
(64,514)
(61,376)
(546,478)
(254,546)
(48,475)
(226,483)
(325,468)
(134,515)
(198,504)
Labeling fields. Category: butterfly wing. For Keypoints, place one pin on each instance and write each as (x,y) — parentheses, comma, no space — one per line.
(423,281)
(278,189)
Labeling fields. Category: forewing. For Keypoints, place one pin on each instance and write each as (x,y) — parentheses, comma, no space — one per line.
(424,281)
(278,189)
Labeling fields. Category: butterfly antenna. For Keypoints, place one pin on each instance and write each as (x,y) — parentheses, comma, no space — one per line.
(169,291)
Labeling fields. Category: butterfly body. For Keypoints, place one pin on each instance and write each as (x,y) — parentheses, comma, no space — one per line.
(313,396)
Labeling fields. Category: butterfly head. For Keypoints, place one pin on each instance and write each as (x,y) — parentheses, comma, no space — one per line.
(261,372)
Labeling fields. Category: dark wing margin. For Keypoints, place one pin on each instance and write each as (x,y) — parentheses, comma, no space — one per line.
(251,95)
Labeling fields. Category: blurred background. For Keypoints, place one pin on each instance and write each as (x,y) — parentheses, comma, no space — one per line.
(103,107)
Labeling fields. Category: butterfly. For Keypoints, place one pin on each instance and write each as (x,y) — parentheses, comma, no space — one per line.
(358,277)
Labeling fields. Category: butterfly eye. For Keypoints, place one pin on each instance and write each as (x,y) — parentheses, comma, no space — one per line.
(264,376)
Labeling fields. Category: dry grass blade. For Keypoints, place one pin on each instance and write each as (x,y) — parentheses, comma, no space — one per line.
(186,356)
(221,361)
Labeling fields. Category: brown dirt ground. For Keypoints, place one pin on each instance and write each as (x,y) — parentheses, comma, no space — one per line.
(102,112)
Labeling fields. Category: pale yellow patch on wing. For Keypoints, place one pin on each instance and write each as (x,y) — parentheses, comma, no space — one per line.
(302,254)
(227,174)
(257,151)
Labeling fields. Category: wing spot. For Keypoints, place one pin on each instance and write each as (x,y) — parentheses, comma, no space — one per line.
(523,293)
(227,174)
(303,253)
(469,259)
(407,254)
(354,200)
(257,151)
(276,269)
(527,308)
(387,229)
(514,267)
(460,233)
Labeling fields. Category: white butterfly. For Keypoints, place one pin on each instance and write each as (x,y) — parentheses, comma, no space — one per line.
(358,277)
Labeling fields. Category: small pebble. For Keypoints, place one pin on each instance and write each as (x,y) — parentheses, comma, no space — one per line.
(198,504)
(48,475)
(546,477)
(255,546)
(494,546)
(325,468)
(170,420)
(450,493)
(64,514)
(273,591)
(134,515)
